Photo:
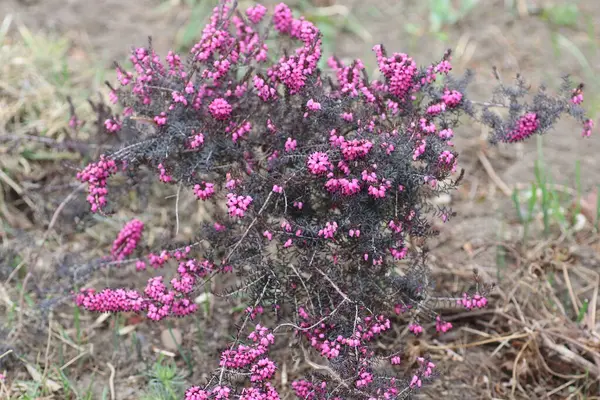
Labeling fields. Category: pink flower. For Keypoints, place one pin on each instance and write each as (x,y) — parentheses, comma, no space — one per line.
(220,109)
(318,163)
(446,133)
(238,205)
(443,67)
(313,105)
(577,97)
(196,141)
(96,176)
(452,98)
(419,150)
(112,125)
(204,191)
(256,13)
(525,127)
(163,174)
(161,119)
(277,189)
(470,302)
(416,329)
(442,326)
(282,18)
(329,230)
(587,128)
(400,71)
(290,144)
(127,240)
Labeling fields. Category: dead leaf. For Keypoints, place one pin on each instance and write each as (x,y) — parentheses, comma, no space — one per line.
(36,376)
(171,338)
(588,204)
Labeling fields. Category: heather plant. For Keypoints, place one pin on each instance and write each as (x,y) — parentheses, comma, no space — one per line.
(323,186)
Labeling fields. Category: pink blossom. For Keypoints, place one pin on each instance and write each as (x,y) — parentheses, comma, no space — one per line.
(318,163)
(282,18)
(220,109)
(112,125)
(238,205)
(329,230)
(470,302)
(196,141)
(524,128)
(446,134)
(452,98)
(127,240)
(313,105)
(400,70)
(290,144)
(164,177)
(587,128)
(277,189)
(161,119)
(416,329)
(444,67)
(442,326)
(96,175)
(204,191)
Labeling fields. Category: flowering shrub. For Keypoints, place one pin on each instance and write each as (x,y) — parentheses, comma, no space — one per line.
(326,182)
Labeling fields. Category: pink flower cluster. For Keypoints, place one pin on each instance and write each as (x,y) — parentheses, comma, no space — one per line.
(293,70)
(329,230)
(400,71)
(426,370)
(251,356)
(442,326)
(318,163)
(347,187)
(96,175)
(238,205)
(416,329)
(365,331)
(220,109)
(525,127)
(452,98)
(164,177)
(205,192)
(263,370)
(308,391)
(112,125)
(471,302)
(290,144)
(313,105)
(577,97)
(587,128)
(157,301)
(256,13)
(196,141)
(349,78)
(127,240)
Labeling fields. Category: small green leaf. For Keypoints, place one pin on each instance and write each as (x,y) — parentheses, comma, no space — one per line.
(583,310)
(562,14)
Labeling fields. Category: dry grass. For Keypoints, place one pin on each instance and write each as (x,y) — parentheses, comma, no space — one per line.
(537,340)
(37,75)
